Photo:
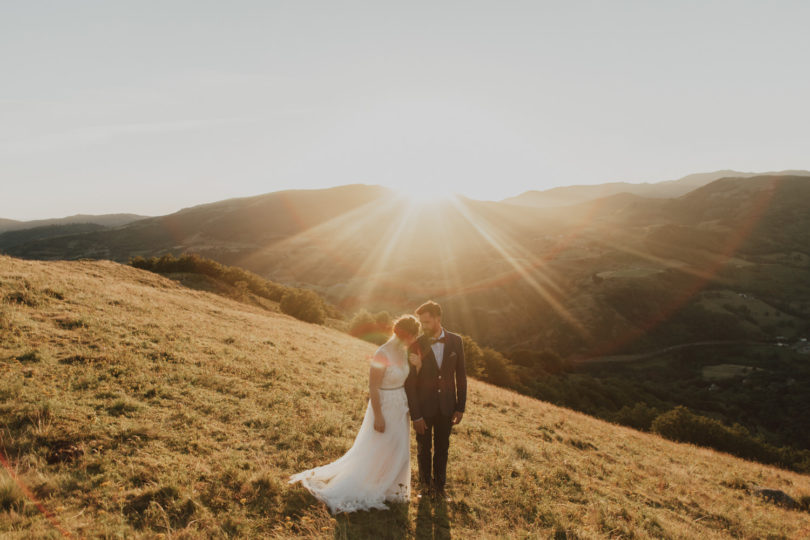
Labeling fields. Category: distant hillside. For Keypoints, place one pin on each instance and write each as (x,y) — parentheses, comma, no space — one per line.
(224,230)
(133,407)
(17,237)
(106,220)
(621,274)
(636,270)
(6,223)
(567,195)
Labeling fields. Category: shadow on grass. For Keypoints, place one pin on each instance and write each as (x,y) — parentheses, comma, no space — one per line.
(432,522)
(390,524)
(432,519)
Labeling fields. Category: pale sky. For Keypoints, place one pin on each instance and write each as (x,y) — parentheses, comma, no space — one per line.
(151,106)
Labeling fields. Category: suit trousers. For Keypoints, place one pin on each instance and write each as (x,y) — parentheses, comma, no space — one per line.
(437,432)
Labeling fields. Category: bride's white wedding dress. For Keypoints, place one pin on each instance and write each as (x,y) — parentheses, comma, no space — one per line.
(377,468)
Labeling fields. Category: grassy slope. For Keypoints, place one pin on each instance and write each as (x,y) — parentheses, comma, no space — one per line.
(131,406)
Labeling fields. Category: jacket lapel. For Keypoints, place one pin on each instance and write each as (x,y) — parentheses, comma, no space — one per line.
(445,353)
(429,356)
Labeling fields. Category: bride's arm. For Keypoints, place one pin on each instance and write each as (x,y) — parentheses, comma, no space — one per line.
(375,376)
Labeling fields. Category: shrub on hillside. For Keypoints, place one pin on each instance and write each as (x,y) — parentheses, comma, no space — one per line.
(639,416)
(497,369)
(473,357)
(232,275)
(373,328)
(680,424)
(543,361)
(303,304)
(384,321)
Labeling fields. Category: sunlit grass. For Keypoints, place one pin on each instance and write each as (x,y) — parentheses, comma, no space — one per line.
(178,412)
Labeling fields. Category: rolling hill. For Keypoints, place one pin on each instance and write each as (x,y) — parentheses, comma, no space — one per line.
(105,220)
(16,237)
(6,223)
(568,195)
(224,228)
(132,406)
(620,274)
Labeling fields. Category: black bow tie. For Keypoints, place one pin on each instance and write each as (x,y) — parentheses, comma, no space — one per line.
(438,340)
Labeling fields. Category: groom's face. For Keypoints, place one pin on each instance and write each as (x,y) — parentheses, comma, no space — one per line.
(430,324)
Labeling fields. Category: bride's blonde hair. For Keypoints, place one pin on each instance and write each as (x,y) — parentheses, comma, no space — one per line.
(406,326)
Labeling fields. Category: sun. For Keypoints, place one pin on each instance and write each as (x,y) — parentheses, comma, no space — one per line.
(426,197)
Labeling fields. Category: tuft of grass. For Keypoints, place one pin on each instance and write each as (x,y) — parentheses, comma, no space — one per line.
(24,297)
(122,407)
(63,450)
(36,414)
(83,359)
(161,508)
(54,293)
(6,317)
(736,483)
(46,488)
(31,356)
(11,498)
(71,323)
(262,494)
(581,445)
(522,452)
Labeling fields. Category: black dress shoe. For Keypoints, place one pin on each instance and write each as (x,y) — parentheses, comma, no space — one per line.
(424,491)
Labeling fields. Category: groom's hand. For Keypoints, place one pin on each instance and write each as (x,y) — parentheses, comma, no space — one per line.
(419,426)
(457,417)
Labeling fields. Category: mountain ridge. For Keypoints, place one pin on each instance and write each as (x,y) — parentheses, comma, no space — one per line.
(106,220)
(568,195)
(503,266)
(244,222)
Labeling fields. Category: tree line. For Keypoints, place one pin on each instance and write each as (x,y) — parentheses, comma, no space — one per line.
(303,304)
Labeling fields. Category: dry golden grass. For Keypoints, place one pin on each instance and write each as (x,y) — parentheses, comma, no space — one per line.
(134,407)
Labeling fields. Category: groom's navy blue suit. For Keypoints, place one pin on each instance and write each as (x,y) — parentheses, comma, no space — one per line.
(434,394)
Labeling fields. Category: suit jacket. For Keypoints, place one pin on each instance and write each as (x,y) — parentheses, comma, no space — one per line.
(436,390)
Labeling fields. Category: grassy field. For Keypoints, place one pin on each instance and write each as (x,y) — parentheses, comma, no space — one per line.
(720,372)
(133,407)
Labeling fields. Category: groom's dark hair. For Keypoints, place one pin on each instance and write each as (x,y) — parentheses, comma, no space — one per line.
(430,307)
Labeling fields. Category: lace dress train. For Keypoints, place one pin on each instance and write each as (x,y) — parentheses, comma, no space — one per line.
(377,468)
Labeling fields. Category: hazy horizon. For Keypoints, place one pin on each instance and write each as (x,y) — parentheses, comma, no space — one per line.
(183,207)
(149,107)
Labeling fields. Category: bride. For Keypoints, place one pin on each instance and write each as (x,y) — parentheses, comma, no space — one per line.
(377,468)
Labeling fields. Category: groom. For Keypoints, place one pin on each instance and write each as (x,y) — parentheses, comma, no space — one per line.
(437,394)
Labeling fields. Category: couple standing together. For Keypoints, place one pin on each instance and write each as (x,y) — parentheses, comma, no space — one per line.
(421,376)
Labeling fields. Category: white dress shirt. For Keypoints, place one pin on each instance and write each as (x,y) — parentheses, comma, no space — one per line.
(438,350)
